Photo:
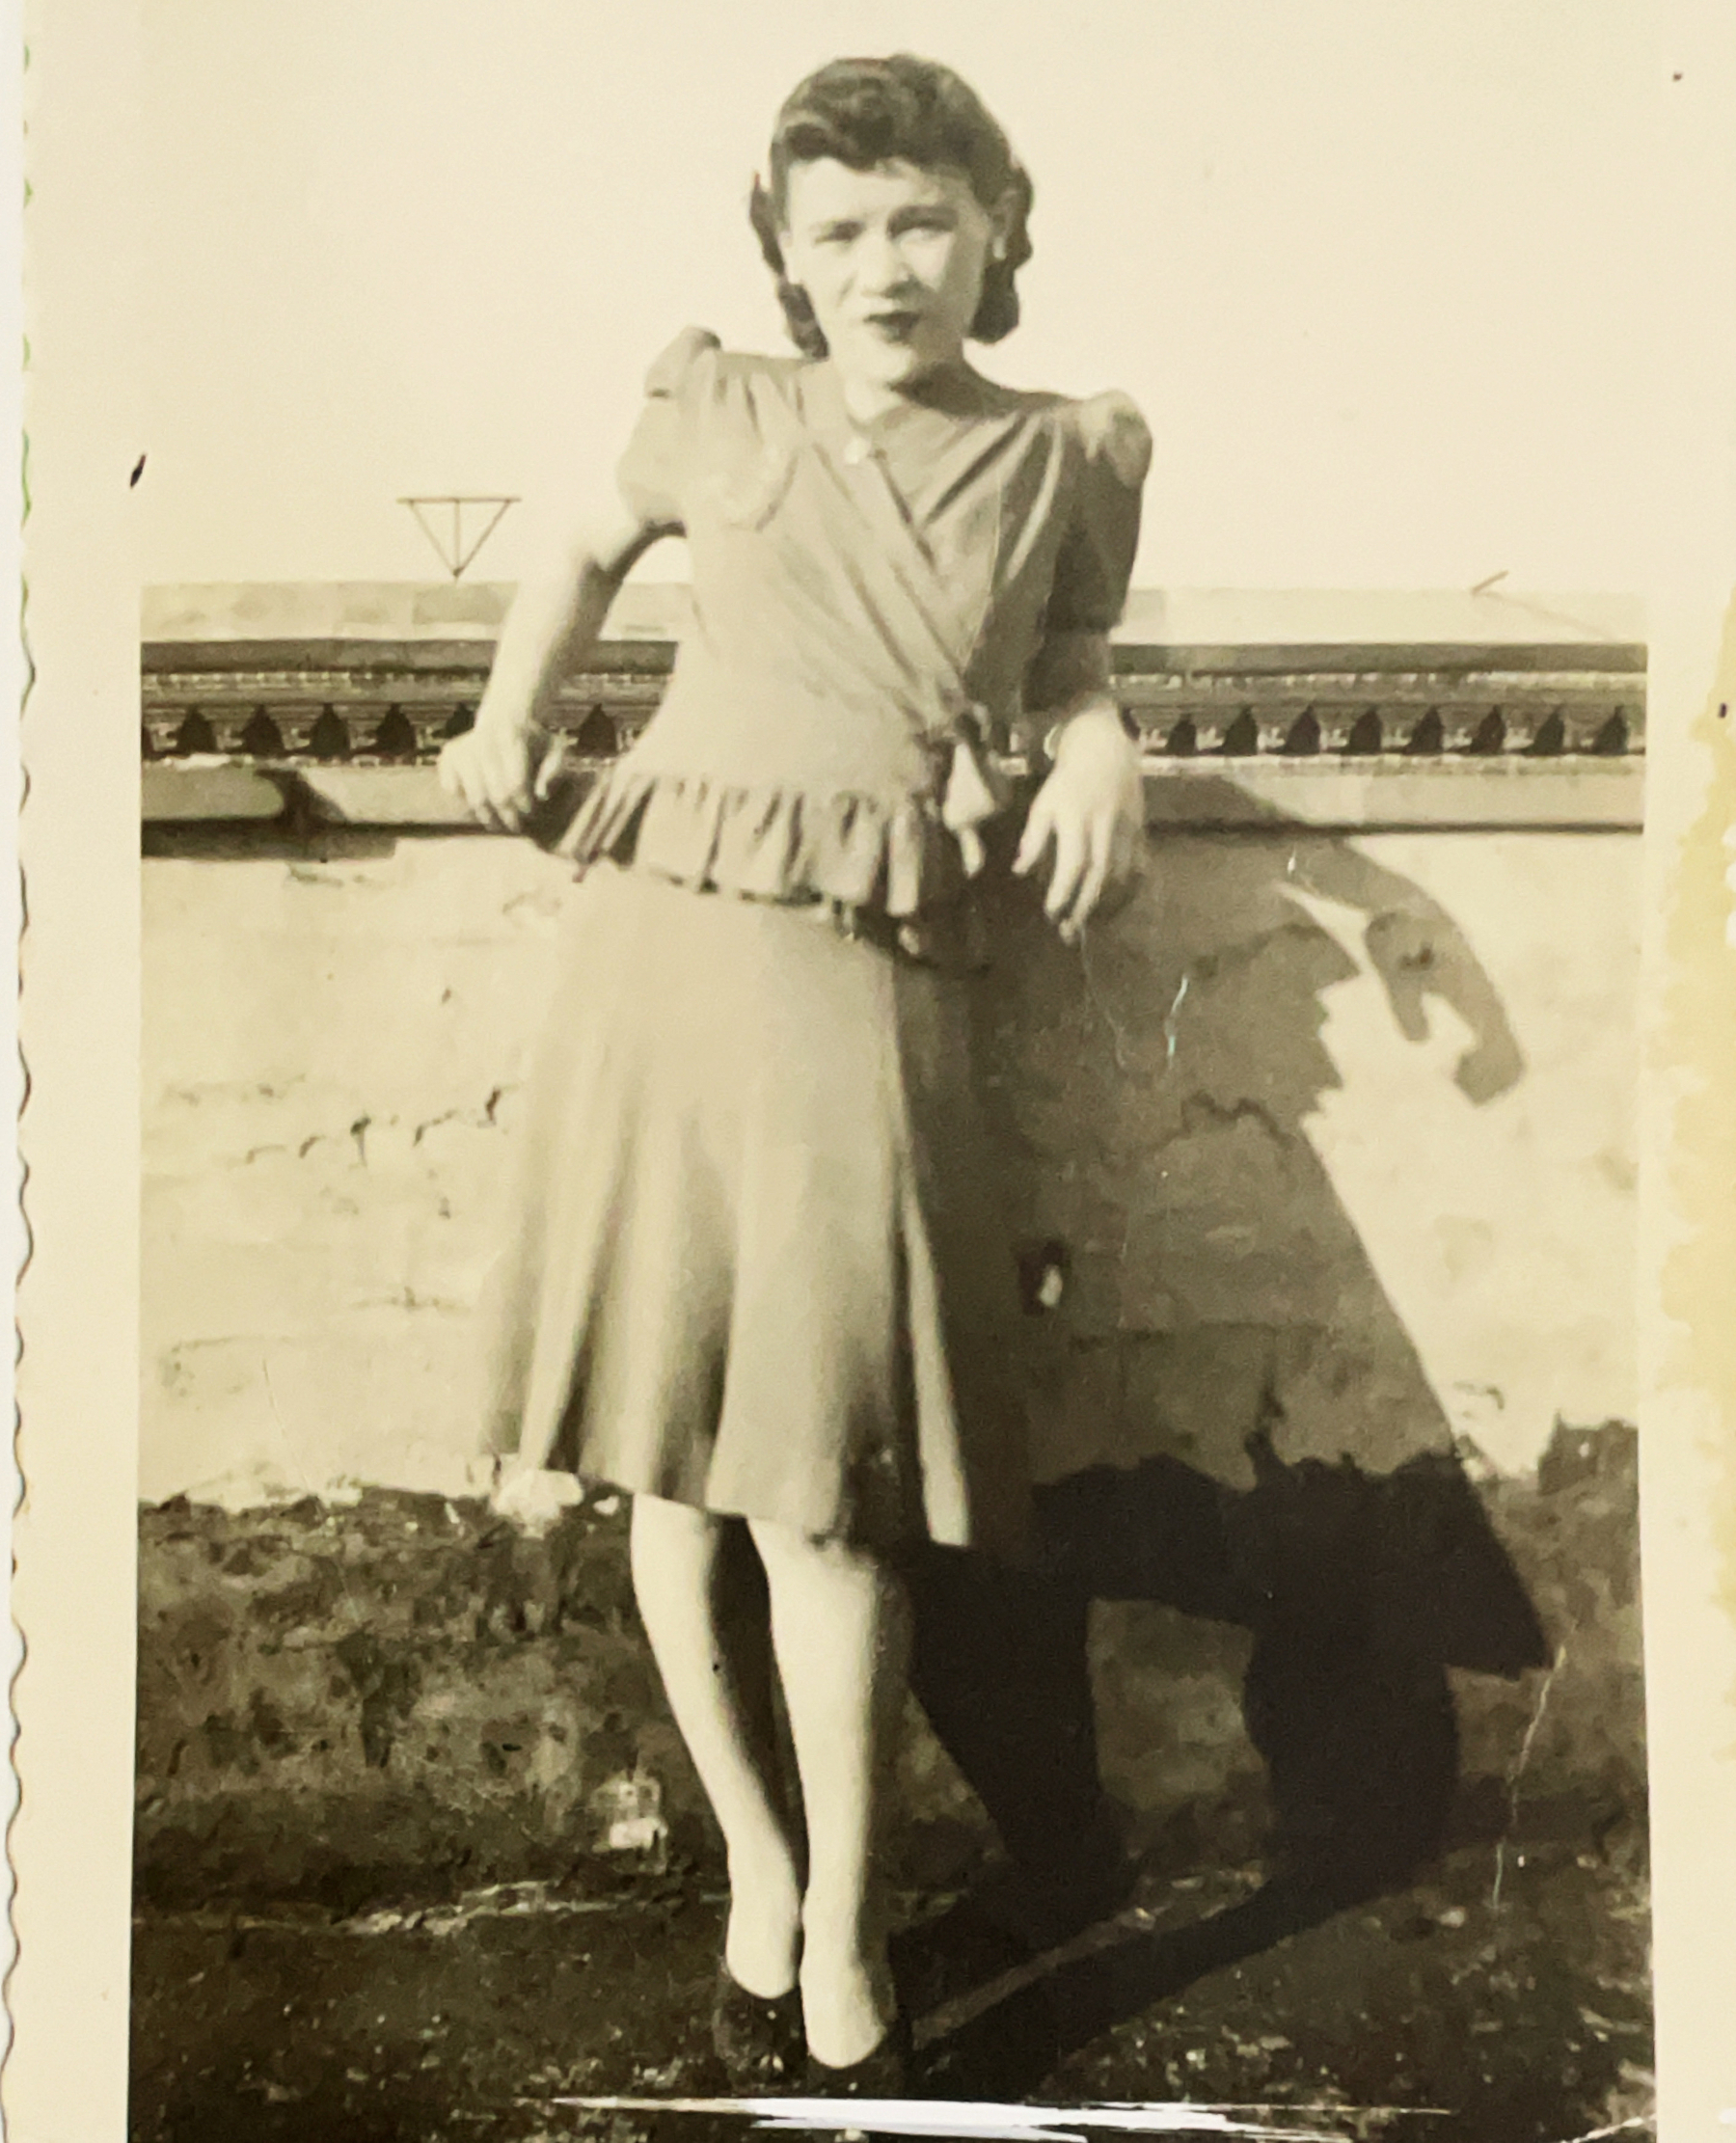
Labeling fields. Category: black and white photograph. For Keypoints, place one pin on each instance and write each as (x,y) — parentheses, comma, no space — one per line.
(891,904)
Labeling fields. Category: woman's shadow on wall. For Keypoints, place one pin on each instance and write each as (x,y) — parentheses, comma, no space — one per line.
(1232,1420)
(1151,1095)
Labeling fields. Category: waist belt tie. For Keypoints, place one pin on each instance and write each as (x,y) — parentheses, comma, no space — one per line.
(976,789)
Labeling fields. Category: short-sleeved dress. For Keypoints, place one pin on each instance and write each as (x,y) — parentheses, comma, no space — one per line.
(757,1262)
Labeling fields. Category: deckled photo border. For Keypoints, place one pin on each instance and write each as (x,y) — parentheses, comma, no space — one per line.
(76,1534)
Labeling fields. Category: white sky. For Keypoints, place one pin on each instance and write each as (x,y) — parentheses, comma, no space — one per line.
(1375,269)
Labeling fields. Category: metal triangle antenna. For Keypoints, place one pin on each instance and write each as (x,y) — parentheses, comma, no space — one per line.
(456,554)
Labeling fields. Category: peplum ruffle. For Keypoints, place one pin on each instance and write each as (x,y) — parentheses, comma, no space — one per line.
(896,858)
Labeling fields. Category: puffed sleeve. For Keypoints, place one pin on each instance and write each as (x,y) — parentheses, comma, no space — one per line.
(1096,560)
(651,474)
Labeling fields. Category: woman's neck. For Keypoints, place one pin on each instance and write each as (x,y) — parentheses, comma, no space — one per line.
(867,400)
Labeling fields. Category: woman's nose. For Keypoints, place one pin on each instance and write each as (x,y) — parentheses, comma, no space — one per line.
(882,265)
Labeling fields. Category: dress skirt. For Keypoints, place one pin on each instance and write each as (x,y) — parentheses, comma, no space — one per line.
(756,1262)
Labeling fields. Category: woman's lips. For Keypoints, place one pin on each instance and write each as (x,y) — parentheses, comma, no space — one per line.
(896,327)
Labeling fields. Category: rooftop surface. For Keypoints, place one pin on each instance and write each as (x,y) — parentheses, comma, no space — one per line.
(456,611)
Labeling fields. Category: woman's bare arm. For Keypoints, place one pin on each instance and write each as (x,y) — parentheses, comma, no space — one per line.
(556,617)
(1091,810)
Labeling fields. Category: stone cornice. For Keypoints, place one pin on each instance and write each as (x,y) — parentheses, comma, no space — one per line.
(325,702)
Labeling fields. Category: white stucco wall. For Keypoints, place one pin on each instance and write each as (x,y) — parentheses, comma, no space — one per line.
(1265,1173)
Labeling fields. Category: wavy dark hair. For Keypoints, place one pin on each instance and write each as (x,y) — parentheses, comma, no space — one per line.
(868,112)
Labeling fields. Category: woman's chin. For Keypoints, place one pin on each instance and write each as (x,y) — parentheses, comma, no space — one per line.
(896,366)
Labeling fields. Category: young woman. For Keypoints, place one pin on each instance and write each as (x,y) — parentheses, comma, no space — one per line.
(758,1279)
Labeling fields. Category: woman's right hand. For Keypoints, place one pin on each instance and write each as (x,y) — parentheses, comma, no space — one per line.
(499,771)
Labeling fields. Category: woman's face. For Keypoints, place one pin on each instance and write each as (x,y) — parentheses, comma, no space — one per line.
(893,261)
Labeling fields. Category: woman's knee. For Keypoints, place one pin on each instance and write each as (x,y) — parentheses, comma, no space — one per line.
(668,1536)
(784,1547)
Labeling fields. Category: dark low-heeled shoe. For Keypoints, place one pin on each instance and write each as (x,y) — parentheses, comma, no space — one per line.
(759,2039)
(879,2075)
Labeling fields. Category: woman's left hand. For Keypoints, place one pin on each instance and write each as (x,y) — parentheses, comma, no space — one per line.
(1091,811)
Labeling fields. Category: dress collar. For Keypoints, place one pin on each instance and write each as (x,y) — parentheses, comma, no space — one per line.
(958,391)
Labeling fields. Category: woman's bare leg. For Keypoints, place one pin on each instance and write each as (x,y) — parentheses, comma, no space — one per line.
(839,1626)
(714,1658)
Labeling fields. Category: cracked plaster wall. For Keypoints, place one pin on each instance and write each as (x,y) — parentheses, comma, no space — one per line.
(1359,1113)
